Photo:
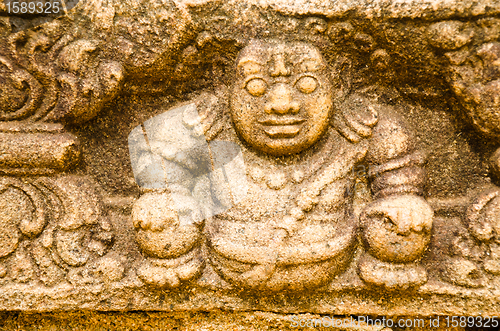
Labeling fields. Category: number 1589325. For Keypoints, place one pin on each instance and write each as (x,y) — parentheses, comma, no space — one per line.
(33,7)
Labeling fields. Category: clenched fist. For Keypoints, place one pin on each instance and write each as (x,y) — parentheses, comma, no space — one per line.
(160,233)
(397,228)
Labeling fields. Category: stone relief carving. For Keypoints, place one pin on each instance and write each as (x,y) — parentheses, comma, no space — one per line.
(281,153)
(280,104)
(483,223)
(181,171)
(77,89)
(471,50)
(51,226)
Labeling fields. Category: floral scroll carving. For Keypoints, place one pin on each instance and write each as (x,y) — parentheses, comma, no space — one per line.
(49,227)
(73,91)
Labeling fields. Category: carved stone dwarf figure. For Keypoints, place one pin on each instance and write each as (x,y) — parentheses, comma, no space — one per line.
(295,227)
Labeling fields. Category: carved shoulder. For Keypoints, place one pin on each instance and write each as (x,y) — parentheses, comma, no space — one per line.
(212,115)
(391,138)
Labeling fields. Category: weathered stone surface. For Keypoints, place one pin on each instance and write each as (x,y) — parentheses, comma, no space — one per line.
(310,157)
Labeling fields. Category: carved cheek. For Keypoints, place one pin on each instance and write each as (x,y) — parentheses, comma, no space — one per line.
(318,108)
(244,109)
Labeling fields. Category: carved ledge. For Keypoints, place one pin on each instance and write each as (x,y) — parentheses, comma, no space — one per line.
(36,149)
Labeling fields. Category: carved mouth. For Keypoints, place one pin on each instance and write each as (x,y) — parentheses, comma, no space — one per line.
(284,131)
(282,121)
(282,127)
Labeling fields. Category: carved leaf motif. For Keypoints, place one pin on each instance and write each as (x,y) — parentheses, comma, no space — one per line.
(50,225)
(19,91)
(23,210)
(80,231)
(72,86)
(483,222)
(10,234)
(70,246)
(482,216)
(474,70)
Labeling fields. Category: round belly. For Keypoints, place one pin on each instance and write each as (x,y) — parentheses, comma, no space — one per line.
(277,256)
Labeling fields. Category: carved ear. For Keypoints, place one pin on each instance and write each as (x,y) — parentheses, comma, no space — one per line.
(355,117)
(341,77)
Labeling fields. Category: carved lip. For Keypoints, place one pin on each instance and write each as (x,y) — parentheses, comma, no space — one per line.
(281,121)
(282,131)
(282,127)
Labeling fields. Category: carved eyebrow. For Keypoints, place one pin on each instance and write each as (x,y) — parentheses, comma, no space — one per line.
(310,64)
(250,66)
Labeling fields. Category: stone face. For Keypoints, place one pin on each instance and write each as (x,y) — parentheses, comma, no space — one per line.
(333,158)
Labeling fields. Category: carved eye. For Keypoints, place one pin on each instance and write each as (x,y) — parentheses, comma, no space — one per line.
(307,84)
(256,87)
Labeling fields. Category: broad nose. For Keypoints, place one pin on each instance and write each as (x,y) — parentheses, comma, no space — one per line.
(281,101)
